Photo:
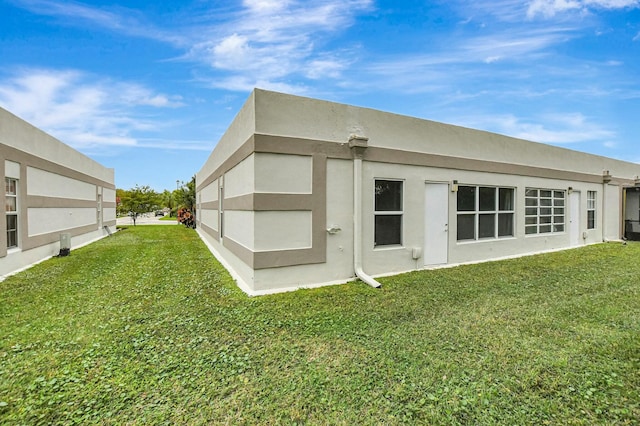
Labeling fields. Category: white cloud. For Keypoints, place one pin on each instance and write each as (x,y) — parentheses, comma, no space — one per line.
(269,41)
(126,21)
(81,113)
(550,8)
(568,128)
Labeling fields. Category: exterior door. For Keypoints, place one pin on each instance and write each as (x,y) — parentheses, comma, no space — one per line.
(436,224)
(574,219)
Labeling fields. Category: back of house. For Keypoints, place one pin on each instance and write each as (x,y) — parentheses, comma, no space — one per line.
(301,192)
(52,193)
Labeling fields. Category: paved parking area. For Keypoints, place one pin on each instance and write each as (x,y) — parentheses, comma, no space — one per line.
(145,220)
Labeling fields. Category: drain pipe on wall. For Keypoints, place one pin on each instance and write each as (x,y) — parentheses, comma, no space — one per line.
(358,145)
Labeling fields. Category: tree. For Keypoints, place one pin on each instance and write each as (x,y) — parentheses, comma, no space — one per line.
(168,199)
(185,196)
(138,200)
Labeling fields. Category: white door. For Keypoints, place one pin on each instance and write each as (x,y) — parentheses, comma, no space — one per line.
(436,224)
(574,219)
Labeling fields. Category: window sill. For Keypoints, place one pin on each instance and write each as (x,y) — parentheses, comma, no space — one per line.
(389,247)
(486,240)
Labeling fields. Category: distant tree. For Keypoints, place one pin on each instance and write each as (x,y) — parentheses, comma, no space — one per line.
(139,200)
(185,196)
(168,199)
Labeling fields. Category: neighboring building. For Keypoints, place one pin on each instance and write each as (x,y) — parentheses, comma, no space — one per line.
(301,192)
(50,189)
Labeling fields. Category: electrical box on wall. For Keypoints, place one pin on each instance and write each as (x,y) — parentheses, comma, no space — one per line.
(65,244)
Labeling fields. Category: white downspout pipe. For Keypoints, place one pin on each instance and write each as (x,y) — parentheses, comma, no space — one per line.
(358,144)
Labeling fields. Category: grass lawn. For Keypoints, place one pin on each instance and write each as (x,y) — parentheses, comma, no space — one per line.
(145,327)
(167,217)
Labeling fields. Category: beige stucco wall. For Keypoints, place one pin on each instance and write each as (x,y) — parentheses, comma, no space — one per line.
(281,114)
(59,190)
(241,129)
(19,134)
(291,134)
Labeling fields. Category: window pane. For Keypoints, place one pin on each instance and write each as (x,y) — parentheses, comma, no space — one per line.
(558,228)
(545,202)
(545,210)
(388,194)
(388,230)
(558,194)
(545,193)
(545,229)
(505,225)
(10,186)
(487,226)
(531,211)
(558,219)
(466,198)
(532,202)
(545,219)
(10,204)
(558,211)
(506,199)
(531,230)
(12,231)
(466,227)
(531,220)
(12,222)
(557,202)
(487,199)
(591,219)
(531,192)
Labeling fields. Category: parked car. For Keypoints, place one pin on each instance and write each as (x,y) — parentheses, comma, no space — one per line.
(159,213)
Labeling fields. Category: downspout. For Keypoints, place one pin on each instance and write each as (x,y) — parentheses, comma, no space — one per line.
(358,144)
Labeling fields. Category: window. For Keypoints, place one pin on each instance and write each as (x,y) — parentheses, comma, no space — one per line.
(591,209)
(388,213)
(544,211)
(11,210)
(485,212)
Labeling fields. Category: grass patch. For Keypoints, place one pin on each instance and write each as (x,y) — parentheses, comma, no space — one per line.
(167,217)
(145,327)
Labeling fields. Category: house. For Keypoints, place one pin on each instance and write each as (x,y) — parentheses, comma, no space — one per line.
(301,192)
(51,192)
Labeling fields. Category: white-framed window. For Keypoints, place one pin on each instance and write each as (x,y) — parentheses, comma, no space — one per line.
(388,211)
(591,209)
(485,212)
(544,211)
(11,211)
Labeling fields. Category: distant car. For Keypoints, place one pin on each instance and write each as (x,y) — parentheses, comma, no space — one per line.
(159,213)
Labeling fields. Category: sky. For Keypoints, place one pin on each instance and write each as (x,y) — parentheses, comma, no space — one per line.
(149,87)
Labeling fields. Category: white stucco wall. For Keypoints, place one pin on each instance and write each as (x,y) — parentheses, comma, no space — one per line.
(282,230)
(12,169)
(239,226)
(47,220)
(209,218)
(48,184)
(280,173)
(240,179)
(210,192)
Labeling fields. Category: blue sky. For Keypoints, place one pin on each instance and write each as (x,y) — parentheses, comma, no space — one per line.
(148,87)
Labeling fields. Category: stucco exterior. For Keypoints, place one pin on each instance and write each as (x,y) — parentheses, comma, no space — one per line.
(50,189)
(277,197)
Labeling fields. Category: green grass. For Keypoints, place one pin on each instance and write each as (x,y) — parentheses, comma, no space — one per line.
(145,327)
(167,217)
